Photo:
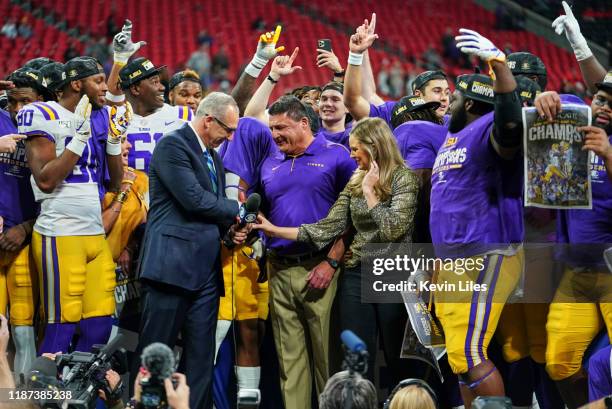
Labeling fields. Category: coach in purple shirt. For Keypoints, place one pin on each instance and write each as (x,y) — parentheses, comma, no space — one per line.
(300,183)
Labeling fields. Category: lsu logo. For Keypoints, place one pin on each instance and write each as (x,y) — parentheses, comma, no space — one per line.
(450,142)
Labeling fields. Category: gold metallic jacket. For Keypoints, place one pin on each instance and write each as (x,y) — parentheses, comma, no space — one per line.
(391,221)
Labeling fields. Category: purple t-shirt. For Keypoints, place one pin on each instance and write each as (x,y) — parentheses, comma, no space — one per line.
(251,145)
(476,196)
(383,111)
(419,141)
(299,190)
(17,202)
(338,137)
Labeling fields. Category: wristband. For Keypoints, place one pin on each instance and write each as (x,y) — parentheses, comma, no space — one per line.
(339,74)
(76,146)
(272,80)
(113,148)
(114,98)
(255,66)
(355,58)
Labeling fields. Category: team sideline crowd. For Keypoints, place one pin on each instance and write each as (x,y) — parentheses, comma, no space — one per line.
(236,214)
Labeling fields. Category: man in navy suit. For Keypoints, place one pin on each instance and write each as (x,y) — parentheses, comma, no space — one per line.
(180,267)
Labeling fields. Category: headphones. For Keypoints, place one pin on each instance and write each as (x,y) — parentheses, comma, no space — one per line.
(409,382)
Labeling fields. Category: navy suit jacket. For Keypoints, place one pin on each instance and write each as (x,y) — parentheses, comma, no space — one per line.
(186,219)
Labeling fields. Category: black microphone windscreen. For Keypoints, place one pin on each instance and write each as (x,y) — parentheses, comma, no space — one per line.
(253,202)
(44,366)
(158,359)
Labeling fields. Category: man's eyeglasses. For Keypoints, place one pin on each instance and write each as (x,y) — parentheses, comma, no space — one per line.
(601,101)
(224,126)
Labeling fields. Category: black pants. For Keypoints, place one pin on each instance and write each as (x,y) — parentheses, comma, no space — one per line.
(169,310)
(368,321)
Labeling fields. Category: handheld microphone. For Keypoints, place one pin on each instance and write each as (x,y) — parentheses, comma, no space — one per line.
(353,342)
(158,359)
(249,209)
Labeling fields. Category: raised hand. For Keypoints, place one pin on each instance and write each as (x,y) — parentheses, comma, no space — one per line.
(123,47)
(364,36)
(283,64)
(329,60)
(567,23)
(470,42)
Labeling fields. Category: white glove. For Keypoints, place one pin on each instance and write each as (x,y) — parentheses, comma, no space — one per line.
(123,47)
(470,42)
(567,23)
(266,50)
(82,126)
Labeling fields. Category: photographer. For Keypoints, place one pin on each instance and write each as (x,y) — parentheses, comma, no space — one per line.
(178,398)
(114,385)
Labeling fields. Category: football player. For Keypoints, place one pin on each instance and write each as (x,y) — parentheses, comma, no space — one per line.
(75,265)
(185,89)
(584,292)
(18,209)
(479,158)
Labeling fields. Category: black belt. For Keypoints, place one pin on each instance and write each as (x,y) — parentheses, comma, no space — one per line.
(295,258)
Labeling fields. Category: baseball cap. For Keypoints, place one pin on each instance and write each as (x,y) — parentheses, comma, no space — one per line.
(424,77)
(37,63)
(138,70)
(527,89)
(412,103)
(478,87)
(524,63)
(182,76)
(52,75)
(606,84)
(81,67)
(33,78)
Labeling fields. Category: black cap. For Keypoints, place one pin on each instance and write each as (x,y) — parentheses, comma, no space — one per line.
(182,76)
(527,89)
(411,103)
(81,67)
(137,70)
(478,87)
(37,63)
(606,84)
(29,77)
(52,75)
(424,77)
(524,63)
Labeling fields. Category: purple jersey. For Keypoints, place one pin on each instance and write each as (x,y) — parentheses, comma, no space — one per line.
(383,111)
(251,145)
(419,141)
(476,196)
(338,137)
(301,189)
(17,202)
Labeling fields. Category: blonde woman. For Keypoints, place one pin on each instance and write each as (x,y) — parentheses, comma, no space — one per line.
(379,204)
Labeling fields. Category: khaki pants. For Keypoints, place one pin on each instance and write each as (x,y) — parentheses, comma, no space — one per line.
(300,321)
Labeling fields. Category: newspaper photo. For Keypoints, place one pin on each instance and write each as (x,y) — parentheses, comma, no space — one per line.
(556,168)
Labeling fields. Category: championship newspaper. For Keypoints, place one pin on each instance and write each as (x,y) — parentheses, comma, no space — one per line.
(556,168)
